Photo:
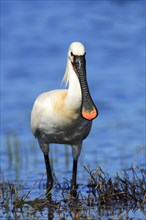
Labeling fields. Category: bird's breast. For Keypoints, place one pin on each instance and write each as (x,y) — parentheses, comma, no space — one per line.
(56,122)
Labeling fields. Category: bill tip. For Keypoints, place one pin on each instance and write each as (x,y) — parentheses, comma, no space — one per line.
(89,115)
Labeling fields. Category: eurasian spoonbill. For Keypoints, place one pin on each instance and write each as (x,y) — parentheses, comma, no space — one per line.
(65,116)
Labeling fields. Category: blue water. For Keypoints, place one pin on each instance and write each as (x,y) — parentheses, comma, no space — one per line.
(35,36)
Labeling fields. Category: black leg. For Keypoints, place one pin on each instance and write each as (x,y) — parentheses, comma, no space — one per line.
(73,191)
(49,184)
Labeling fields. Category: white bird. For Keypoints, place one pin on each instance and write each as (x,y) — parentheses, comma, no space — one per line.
(65,116)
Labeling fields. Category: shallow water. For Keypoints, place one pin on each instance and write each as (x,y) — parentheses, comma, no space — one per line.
(34,43)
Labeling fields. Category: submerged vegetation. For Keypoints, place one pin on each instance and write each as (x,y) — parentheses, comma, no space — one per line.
(99,196)
(103,196)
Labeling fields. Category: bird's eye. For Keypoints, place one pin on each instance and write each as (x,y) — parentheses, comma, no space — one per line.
(72,57)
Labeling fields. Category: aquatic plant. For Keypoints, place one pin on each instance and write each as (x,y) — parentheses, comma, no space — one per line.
(103,195)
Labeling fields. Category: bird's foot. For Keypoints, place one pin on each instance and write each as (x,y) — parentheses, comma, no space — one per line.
(73,192)
(49,186)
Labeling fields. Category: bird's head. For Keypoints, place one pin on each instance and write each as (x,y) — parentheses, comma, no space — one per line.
(76,56)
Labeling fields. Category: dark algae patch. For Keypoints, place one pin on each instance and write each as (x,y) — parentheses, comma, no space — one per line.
(112,197)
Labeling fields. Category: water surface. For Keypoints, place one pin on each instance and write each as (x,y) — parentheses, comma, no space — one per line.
(35,37)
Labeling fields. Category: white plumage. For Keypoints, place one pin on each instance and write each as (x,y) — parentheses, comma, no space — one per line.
(65,116)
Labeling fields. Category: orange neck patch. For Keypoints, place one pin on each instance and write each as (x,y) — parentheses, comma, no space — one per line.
(89,115)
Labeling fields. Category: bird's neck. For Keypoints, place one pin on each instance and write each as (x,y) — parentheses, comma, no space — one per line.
(74,96)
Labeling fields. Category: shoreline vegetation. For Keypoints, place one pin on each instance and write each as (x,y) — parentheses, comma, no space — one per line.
(103,196)
(99,195)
